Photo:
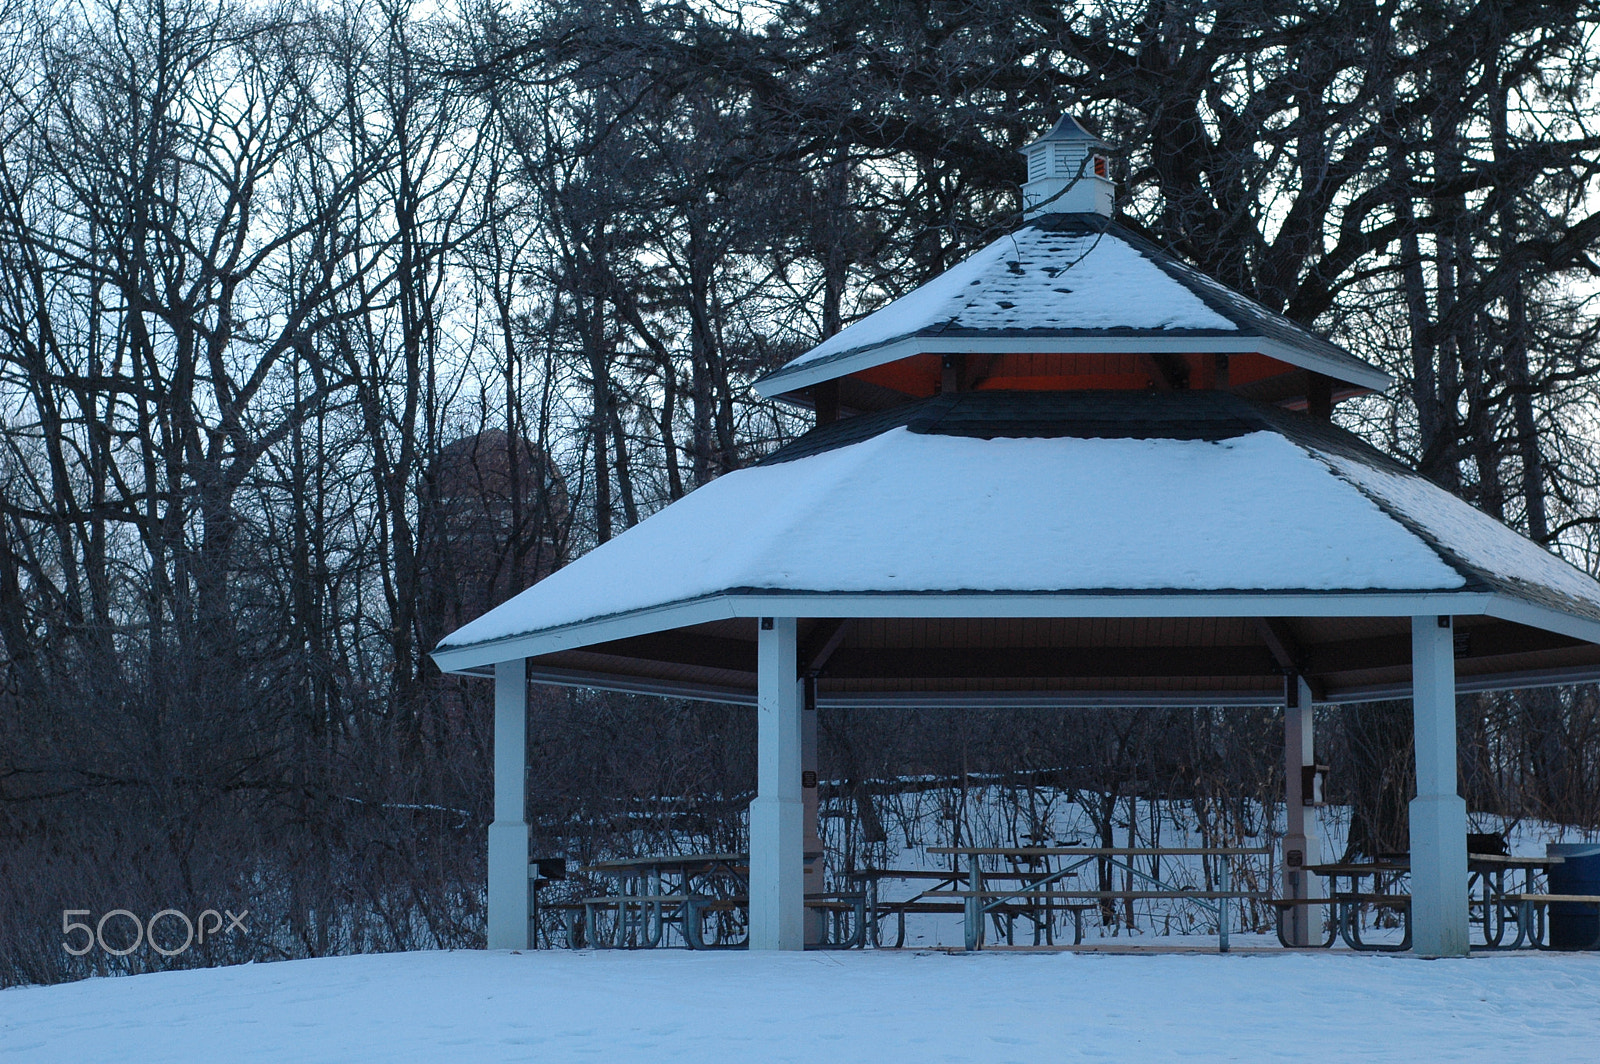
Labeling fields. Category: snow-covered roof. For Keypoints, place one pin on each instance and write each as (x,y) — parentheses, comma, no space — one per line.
(1068,128)
(1069,283)
(985,494)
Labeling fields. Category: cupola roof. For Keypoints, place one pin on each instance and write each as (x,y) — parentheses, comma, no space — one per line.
(1081,285)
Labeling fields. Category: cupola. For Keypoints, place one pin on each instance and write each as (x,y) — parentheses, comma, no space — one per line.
(1068,173)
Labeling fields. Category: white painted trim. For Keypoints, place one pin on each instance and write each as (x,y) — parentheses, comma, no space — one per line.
(1438,816)
(964,604)
(1048,700)
(1139,603)
(1521,611)
(794,377)
(1302,926)
(1105,699)
(642,686)
(1508,681)
(663,618)
(1502,681)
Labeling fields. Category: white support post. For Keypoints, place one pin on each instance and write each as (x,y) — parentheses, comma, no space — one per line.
(1301,846)
(777,853)
(508,835)
(1438,814)
(816,920)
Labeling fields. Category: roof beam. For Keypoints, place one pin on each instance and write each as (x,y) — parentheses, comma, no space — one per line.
(993,663)
(824,654)
(822,642)
(825,401)
(1275,633)
(1319,395)
(794,377)
(1473,643)
(1287,652)
(682,647)
(1171,369)
(952,372)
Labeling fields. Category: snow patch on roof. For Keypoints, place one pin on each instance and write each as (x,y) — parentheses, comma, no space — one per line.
(1036,279)
(1478,539)
(910,512)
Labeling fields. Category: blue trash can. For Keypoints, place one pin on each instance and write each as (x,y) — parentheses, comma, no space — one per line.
(1574,926)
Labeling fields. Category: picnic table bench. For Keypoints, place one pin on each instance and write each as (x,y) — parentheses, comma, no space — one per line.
(1533,918)
(1492,900)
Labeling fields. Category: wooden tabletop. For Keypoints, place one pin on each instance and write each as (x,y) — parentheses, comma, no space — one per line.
(1366,868)
(943,873)
(1098,851)
(678,860)
(1380,867)
(1513,861)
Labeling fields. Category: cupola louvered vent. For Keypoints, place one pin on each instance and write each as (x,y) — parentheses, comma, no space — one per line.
(1068,172)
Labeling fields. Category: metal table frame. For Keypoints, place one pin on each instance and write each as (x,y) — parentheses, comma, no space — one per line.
(977,908)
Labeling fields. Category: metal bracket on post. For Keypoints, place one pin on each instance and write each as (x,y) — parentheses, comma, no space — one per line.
(974,906)
(1224,881)
(815,856)
(1301,846)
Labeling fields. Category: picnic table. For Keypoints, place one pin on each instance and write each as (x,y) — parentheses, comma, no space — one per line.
(1495,898)
(1347,903)
(1496,887)
(943,896)
(658,892)
(1038,883)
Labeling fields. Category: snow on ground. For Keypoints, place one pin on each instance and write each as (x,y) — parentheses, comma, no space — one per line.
(877,1007)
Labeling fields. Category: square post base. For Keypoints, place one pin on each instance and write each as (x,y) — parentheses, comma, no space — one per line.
(777,874)
(508,885)
(1439,875)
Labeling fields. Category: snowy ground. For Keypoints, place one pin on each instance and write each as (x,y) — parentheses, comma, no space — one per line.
(879,1007)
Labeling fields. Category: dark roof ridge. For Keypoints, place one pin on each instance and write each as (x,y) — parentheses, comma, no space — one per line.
(1321,437)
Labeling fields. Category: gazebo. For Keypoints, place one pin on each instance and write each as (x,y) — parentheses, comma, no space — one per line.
(1070,471)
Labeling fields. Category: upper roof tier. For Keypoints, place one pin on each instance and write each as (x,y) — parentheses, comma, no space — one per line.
(1072,301)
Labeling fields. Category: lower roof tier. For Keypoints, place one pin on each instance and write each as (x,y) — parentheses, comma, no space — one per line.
(1192,504)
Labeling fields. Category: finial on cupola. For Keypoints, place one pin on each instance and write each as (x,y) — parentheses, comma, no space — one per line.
(1068,173)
